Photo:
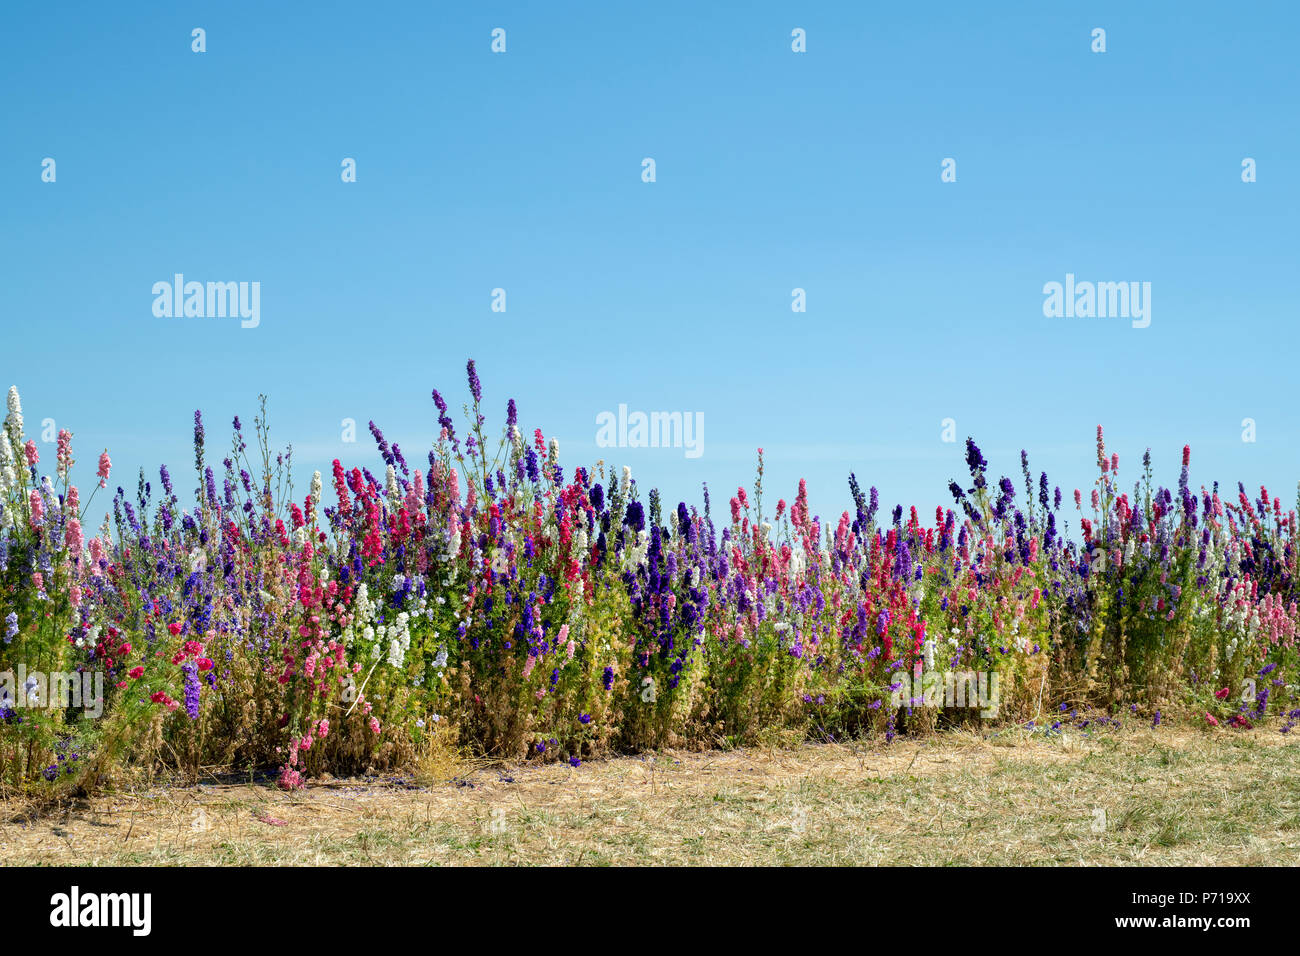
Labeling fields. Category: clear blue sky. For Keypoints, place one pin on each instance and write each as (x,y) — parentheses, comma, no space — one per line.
(775,170)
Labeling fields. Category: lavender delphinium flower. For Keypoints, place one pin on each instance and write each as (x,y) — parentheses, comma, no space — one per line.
(384,451)
(191,691)
(444,420)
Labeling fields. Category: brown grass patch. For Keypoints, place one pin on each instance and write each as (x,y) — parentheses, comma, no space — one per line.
(1137,796)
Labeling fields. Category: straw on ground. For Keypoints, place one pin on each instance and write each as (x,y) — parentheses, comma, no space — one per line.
(1162,796)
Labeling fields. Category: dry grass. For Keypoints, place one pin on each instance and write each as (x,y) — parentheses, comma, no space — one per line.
(1164,796)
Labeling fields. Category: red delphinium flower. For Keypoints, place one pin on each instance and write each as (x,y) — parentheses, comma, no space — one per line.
(401,526)
(372,545)
(341,490)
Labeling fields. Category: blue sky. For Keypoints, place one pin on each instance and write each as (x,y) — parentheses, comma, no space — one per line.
(775,170)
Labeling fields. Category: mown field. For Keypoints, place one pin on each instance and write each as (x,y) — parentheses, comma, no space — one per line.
(1149,796)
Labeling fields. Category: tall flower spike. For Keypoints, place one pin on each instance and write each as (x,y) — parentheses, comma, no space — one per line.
(14,420)
(476,389)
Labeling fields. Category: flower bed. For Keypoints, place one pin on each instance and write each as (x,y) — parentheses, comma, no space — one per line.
(493,598)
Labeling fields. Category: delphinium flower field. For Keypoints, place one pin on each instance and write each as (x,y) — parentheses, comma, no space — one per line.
(495,599)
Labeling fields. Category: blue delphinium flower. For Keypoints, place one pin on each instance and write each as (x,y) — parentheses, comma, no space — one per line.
(634,518)
(976,462)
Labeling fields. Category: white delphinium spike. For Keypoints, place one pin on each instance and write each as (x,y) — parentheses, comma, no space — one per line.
(14,420)
(394,496)
(8,475)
